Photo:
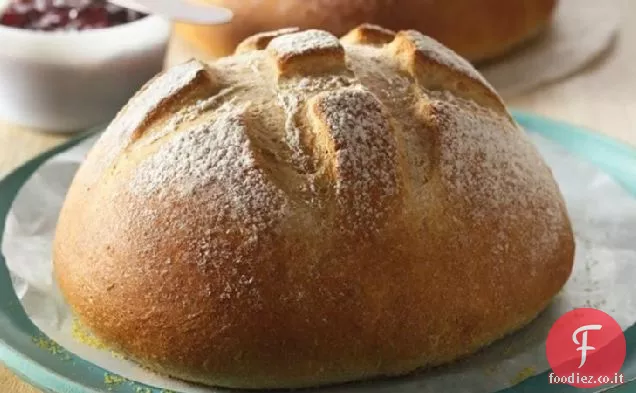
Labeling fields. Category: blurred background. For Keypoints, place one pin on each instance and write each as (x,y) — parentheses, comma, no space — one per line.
(67,65)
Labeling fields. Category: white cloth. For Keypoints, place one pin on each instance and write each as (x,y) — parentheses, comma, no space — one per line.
(581,31)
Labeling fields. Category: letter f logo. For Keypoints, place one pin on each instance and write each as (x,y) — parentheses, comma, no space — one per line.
(583,344)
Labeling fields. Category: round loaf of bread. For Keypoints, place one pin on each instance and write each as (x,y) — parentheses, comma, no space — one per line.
(476,29)
(312,211)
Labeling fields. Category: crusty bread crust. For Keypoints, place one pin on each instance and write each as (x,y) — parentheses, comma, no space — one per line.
(476,29)
(312,211)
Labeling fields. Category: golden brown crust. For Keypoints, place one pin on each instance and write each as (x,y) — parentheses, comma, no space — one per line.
(369,34)
(312,212)
(477,29)
(307,53)
(261,40)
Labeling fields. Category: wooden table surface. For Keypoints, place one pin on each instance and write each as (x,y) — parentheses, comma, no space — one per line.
(602,97)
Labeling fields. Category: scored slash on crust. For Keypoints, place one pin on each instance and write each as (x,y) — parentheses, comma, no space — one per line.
(368,34)
(307,52)
(260,41)
(436,68)
(359,137)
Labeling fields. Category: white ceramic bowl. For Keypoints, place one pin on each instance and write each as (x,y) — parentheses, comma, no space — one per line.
(68,81)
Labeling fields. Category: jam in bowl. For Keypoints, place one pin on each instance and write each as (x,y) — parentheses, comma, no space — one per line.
(67,65)
(54,15)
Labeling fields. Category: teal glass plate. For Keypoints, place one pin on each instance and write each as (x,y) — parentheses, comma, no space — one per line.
(56,371)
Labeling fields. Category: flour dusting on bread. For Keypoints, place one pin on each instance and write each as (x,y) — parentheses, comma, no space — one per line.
(303,42)
(441,54)
(215,159)
(320,212)
(365,154)
(496,173)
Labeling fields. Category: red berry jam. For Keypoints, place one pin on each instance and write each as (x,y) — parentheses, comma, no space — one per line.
(55,15)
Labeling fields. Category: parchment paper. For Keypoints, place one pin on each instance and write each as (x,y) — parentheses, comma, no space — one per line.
(604,218)
(581,31)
